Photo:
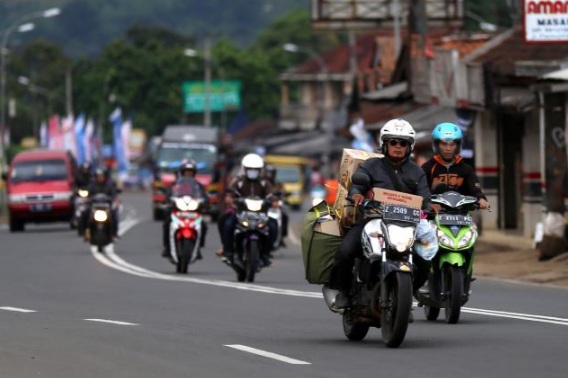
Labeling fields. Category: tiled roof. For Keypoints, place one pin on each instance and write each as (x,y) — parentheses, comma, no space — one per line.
(465,45)
(504,55)
(376,112)
(337,60)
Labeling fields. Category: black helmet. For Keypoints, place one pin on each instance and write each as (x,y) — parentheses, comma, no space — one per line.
(187,165)
(100,172)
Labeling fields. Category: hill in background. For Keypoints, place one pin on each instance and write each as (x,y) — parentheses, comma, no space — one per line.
(86,26)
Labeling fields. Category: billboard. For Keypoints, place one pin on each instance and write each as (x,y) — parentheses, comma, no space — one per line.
(223,95)
(545,21)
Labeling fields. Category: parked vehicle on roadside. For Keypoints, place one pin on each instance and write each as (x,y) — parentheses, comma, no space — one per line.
(40,186)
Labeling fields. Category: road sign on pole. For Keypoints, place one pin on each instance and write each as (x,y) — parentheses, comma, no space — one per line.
(224,95)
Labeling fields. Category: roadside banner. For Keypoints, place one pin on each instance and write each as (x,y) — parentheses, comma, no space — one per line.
(79,130)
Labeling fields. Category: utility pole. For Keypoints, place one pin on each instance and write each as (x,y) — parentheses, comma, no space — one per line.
(207,105)
(417,24)
(68,92)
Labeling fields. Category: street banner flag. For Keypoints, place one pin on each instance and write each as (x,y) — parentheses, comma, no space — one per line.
(88,139)
(79,129)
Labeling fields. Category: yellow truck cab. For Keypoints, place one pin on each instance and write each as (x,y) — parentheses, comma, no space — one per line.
(290,172)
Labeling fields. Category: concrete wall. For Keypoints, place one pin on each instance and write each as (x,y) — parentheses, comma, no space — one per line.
(532,209)
(486,163)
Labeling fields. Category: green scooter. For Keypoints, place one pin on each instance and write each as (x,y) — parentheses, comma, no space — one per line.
(450,276)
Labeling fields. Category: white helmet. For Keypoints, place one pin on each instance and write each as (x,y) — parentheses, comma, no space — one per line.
(252,165)
(397,128)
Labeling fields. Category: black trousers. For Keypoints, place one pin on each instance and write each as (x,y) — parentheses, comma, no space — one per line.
(351,248)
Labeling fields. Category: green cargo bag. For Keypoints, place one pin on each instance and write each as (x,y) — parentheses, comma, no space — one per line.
(318,248)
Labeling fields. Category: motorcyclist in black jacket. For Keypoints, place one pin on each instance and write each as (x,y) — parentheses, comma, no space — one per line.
(100,184)
(186,171)
(249,182)
(396,141)
(83,178)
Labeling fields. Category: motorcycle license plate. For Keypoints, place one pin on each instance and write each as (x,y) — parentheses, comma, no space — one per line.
(455,219)
(401,213)
(40,207)
(188,215)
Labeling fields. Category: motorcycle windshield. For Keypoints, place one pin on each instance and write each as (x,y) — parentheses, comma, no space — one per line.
(186,186)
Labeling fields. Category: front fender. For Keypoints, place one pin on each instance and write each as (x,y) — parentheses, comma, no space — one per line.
(390,267)
(186,233)
(452,258)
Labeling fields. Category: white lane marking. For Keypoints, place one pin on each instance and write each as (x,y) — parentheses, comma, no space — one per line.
(16,309)
(516,315)
(111,322)
(112,260)
(264,353)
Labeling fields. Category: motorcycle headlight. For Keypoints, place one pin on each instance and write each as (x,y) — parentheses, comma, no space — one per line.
(261,224)
(100,215)
(186,204)
(465,239)
(253,205)
(400,238)
(83,193)
(192,205)
(444,239)
(180,204)
(245,223)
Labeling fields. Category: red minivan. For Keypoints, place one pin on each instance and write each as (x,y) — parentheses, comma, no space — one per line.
(40,185)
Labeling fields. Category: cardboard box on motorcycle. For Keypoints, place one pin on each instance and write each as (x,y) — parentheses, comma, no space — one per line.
(348,215)
(350,161)
(344,209)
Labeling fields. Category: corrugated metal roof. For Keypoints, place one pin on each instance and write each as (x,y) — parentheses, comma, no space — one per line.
(388,93)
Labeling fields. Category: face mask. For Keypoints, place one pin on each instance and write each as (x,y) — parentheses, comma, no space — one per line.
(252,174)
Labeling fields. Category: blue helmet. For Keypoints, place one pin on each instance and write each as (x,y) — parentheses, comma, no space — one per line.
(446,132)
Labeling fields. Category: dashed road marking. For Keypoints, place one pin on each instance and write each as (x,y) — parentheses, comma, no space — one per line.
(111,322)
(16,309)
(267,354)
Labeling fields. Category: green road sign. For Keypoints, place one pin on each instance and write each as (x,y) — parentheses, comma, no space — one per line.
(223,94)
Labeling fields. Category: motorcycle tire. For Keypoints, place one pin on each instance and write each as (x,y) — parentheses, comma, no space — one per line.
(454,287)
(431,313)
(353,331)
(184,255)
(251,264)
(394,320)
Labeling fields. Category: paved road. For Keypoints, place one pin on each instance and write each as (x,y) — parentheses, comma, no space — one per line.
(67,312)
